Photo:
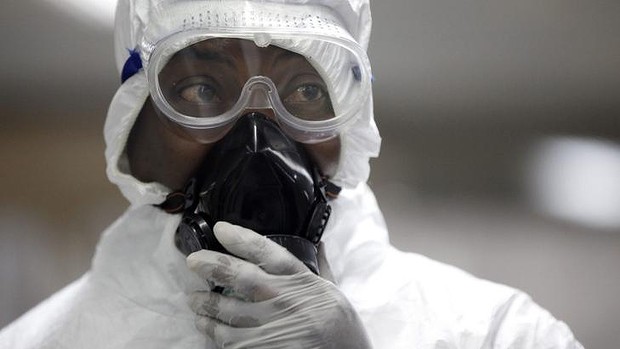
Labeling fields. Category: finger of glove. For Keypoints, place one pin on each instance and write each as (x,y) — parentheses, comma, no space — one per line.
(220,333)
(233,274)
(229,337)
(257,249)
(231,311)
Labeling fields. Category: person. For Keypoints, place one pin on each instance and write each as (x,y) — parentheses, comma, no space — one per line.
(207,85)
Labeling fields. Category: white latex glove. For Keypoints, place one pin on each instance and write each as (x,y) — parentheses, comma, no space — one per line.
(271,299)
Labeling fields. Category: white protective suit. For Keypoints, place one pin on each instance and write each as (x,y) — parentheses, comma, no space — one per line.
(136,293)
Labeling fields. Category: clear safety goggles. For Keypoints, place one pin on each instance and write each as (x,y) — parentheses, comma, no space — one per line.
(312,85)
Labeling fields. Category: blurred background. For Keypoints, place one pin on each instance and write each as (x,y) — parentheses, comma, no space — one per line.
(501,152)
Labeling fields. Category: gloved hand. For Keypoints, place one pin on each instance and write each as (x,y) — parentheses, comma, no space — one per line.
(270,299)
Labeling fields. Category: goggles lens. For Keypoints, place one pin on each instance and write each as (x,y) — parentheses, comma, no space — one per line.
(207,79)
(204,86)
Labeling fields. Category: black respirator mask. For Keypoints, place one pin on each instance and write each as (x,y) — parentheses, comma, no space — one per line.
(258,178)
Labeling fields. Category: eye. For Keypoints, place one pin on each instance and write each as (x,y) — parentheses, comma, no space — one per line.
(199,93)
(309,100)
(306,93)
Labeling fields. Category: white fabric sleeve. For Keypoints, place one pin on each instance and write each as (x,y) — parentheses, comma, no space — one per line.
(524,324)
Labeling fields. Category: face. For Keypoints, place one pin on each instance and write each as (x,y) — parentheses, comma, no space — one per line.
(205,80)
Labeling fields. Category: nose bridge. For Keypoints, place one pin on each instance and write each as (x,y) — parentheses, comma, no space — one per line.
(259,97)
(261,91)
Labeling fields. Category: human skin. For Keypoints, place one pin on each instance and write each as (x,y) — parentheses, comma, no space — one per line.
(159,152)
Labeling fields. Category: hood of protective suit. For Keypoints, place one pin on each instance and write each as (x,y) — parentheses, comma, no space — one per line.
(134,27)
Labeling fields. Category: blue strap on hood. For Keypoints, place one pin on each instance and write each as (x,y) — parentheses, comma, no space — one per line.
(132,65)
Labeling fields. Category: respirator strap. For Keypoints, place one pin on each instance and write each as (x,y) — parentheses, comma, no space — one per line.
(181,200)
(174,203)
(331,189)
(177,201)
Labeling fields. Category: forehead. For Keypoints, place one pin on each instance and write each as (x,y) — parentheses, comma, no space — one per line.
(231,46)
(238,53)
